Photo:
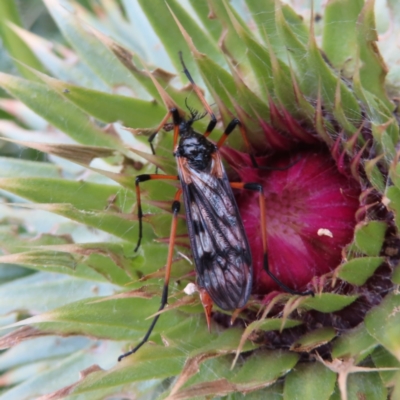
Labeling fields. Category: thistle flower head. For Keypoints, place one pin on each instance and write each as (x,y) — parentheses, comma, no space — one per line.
(311,211)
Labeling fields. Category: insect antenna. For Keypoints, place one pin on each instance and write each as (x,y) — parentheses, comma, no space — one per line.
(194,114)
(197,89)
(200,116)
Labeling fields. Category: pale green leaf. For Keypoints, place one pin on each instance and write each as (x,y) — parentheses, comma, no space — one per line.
(383,323)
(309,381)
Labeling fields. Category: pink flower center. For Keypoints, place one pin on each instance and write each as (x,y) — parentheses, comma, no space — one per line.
(310,218)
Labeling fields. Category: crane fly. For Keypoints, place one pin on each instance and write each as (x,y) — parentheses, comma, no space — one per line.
(217,236)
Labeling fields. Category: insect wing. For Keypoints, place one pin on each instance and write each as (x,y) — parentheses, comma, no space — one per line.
(218,240)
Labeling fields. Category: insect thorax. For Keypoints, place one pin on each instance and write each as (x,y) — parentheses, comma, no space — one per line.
(196,149)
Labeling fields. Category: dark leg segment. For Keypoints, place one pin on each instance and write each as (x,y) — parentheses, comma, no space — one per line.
(210,126)
(258,188)
(151,138)
(231,126)
(228,130)
(176,205)
(143,178)
(159,127)
(164,302)
(176,118)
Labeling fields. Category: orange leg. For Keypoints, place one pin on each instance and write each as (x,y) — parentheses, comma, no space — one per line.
(176,205)
(258,187)
(207,305)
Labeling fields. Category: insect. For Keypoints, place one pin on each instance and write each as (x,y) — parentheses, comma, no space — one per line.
(218,240)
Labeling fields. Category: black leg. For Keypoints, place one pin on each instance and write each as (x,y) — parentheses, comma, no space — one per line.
(176,205)
(143,178)
(281,284)
(164,302)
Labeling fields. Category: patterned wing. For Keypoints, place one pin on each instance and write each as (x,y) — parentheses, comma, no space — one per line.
(218,240)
